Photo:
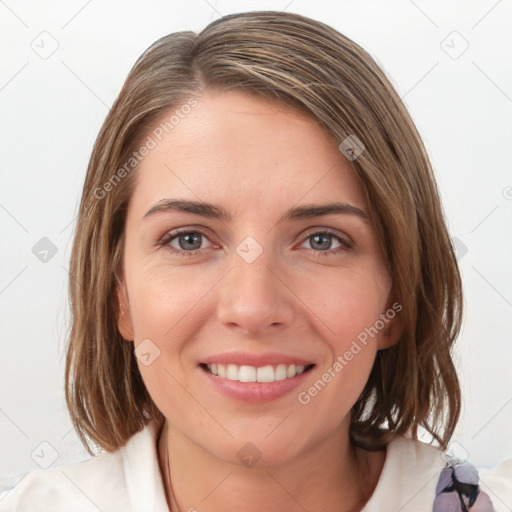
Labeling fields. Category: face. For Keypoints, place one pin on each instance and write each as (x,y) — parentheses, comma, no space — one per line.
(256,319)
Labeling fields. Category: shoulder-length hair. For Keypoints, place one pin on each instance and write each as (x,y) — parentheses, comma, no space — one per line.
(315,69)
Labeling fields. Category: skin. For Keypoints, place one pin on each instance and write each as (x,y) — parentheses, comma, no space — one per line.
(256,158)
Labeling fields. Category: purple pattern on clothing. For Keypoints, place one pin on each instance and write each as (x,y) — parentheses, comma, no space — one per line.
(458,491)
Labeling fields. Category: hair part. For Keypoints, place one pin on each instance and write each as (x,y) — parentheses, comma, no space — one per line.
(312,68)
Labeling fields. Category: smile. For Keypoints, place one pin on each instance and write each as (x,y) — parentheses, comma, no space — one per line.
(246,373)
(255,378)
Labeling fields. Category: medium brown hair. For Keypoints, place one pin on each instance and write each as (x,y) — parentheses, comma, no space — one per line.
(317,70)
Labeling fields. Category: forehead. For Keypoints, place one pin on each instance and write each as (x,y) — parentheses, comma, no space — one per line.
(237,148)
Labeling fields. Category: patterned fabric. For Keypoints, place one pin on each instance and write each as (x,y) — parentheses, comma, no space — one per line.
(458,491)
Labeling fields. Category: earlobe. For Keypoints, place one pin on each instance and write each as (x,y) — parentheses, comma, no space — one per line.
(123,313)
(389,337)
(392,332)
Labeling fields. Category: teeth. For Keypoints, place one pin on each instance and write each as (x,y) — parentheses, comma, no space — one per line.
(246,373)
(281,372)
(232,372)
(265,374)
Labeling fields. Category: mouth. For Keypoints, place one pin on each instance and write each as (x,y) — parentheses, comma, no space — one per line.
(262,374)
(255,378)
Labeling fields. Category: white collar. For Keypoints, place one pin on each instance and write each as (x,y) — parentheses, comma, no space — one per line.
(408,464)
(142,473)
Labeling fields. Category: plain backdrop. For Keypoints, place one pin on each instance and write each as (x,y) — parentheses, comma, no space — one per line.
(63,63)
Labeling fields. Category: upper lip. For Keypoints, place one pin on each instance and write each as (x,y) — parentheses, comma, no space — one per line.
(256,360)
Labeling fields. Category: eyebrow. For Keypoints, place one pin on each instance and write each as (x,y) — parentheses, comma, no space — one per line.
(212,211)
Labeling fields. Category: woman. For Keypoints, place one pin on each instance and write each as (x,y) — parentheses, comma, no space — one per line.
(264,292)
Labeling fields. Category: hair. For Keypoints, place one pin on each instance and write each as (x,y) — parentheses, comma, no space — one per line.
(314,69)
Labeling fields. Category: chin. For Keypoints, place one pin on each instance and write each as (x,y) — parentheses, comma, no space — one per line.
(256,451)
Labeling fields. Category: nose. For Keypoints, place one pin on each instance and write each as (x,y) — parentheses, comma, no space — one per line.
(255,297)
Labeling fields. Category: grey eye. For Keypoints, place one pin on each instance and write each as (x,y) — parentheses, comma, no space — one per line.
(190,241)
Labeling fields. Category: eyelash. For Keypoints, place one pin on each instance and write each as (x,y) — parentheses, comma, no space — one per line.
(169,237)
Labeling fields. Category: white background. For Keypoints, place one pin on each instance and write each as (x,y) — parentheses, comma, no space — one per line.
(52,109)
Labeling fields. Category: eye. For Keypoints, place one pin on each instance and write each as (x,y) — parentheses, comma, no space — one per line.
(186,242)
(321,243)
(189,242)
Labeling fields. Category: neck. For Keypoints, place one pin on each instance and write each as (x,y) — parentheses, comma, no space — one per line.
(315,480)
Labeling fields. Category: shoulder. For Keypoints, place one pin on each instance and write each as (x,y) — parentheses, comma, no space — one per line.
(414,473)
(87,485)
(106,482)
(497,483)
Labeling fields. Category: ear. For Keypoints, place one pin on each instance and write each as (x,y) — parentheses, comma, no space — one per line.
(394,325)
(123,313)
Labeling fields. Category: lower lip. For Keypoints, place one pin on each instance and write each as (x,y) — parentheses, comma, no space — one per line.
(255,392)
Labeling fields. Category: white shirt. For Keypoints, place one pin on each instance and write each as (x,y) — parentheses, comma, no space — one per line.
(129,480)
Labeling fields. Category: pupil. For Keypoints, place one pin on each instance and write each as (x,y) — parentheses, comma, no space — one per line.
(322,241)
(189,239)
(326,240)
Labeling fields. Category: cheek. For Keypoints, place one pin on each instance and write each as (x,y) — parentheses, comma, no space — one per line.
(161,297)
(349,311)
(167,308)
(161,306)
(328,399)
(349,304)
